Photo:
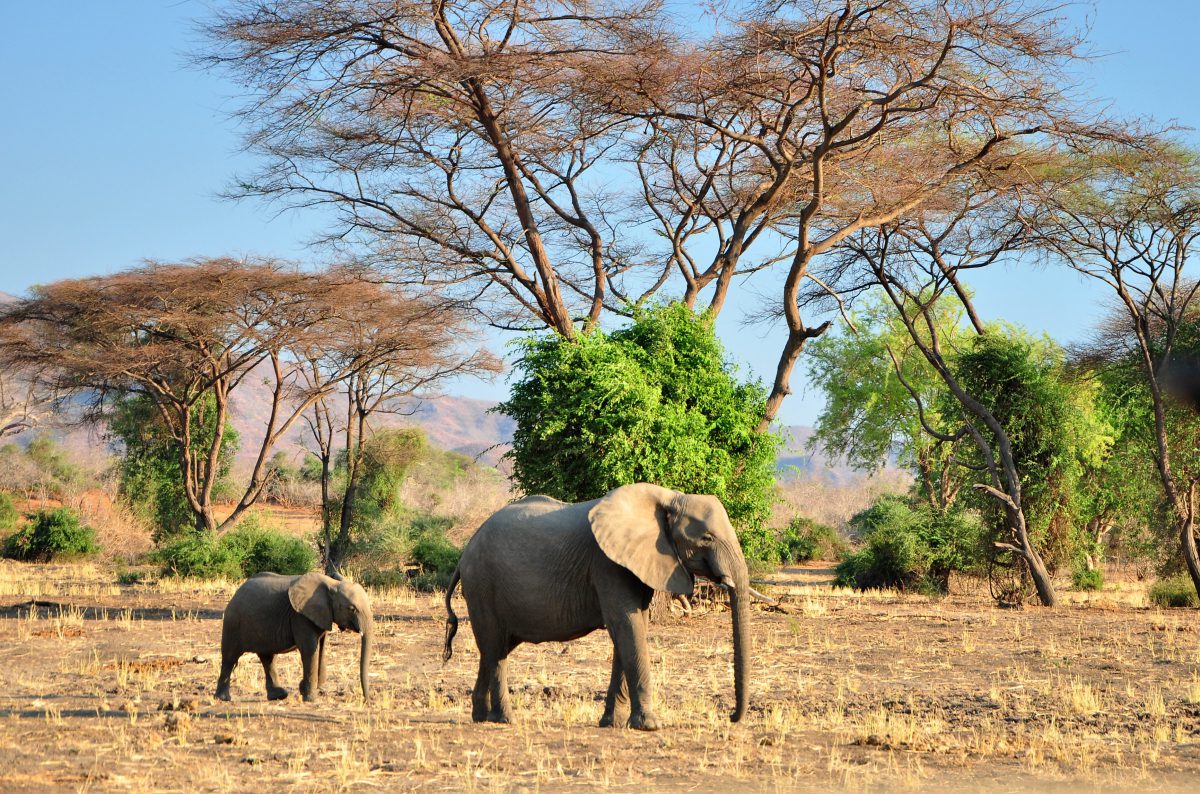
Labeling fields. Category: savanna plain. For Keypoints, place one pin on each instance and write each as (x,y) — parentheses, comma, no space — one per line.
(108,686)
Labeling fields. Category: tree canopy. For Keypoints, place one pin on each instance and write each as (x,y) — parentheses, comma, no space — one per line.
(655,401)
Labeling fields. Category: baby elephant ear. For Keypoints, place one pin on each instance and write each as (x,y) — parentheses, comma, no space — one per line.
(632,525)
(310,597)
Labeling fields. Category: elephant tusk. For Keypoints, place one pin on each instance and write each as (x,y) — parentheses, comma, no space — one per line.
(764,598)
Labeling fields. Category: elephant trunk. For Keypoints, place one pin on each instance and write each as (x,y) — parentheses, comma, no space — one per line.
(364,658)
(738,584)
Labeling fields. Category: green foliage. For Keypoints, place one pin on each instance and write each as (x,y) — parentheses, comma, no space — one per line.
(1056,433)
(386,458)
(1177,591)
(910,546)
(41,468)
(1084,578)
(8,511)
(131,577)
(151,474)
(382,553)
(652,402)
(801,540)
(49,535)
(251,548)
(869,413)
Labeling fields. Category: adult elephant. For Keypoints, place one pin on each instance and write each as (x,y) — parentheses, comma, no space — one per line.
(541,570)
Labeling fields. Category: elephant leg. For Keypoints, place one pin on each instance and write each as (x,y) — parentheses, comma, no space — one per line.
(481,694)
(321,664)
(274,690)
(618,693)
(229,661)
(628,631)
(501,710)
(309,659)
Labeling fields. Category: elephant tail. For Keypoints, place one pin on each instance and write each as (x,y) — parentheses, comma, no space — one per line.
(451,618)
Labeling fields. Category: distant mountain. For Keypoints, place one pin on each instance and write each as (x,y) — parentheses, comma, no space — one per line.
(796,457)
(460,424)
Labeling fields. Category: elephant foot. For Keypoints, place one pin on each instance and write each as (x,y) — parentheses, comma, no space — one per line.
(643,722)
(273,693)
(498,717)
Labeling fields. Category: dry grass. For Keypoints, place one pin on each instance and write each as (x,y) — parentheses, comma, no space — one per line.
(112,691)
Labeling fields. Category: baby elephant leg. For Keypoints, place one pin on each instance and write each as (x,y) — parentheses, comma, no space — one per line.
(310,661)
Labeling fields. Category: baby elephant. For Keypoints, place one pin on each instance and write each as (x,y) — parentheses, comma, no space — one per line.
(272,614)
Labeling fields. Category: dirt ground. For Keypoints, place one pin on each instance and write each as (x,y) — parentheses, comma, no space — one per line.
(109,687)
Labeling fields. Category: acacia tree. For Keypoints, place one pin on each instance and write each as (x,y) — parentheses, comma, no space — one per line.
(186,335)
(798,124)
(484,145)
(1129,217)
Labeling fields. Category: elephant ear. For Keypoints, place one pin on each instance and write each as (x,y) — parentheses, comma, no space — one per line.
(310,597)
(632,526)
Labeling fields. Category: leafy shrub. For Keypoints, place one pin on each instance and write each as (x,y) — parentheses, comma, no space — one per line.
(201,556)
(805,539)
(800,541)
(251,548)
(49,535)
(909,546)
(1084,579)
(656,401)
(8,512)
(1178,591)
(384,554)
(894,557)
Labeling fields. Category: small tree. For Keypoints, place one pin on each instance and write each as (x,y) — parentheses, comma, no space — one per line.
(655,402)
(150,476)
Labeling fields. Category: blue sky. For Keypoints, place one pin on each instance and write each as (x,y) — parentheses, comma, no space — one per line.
(114,149)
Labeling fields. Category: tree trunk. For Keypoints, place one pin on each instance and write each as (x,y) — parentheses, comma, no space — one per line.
(1187,542)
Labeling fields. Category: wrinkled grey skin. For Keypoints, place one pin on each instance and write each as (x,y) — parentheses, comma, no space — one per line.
(541,570)
(272,614)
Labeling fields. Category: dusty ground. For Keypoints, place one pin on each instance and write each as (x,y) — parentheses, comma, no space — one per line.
(108,687)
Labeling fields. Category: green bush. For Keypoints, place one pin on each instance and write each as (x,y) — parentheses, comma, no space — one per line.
(656,401)
(1178,591)
(384,553)
(251,548)
(800,541)
(805,540)
(51,534)
(200,556)
(909,546)
(8,512)
(1084,579)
